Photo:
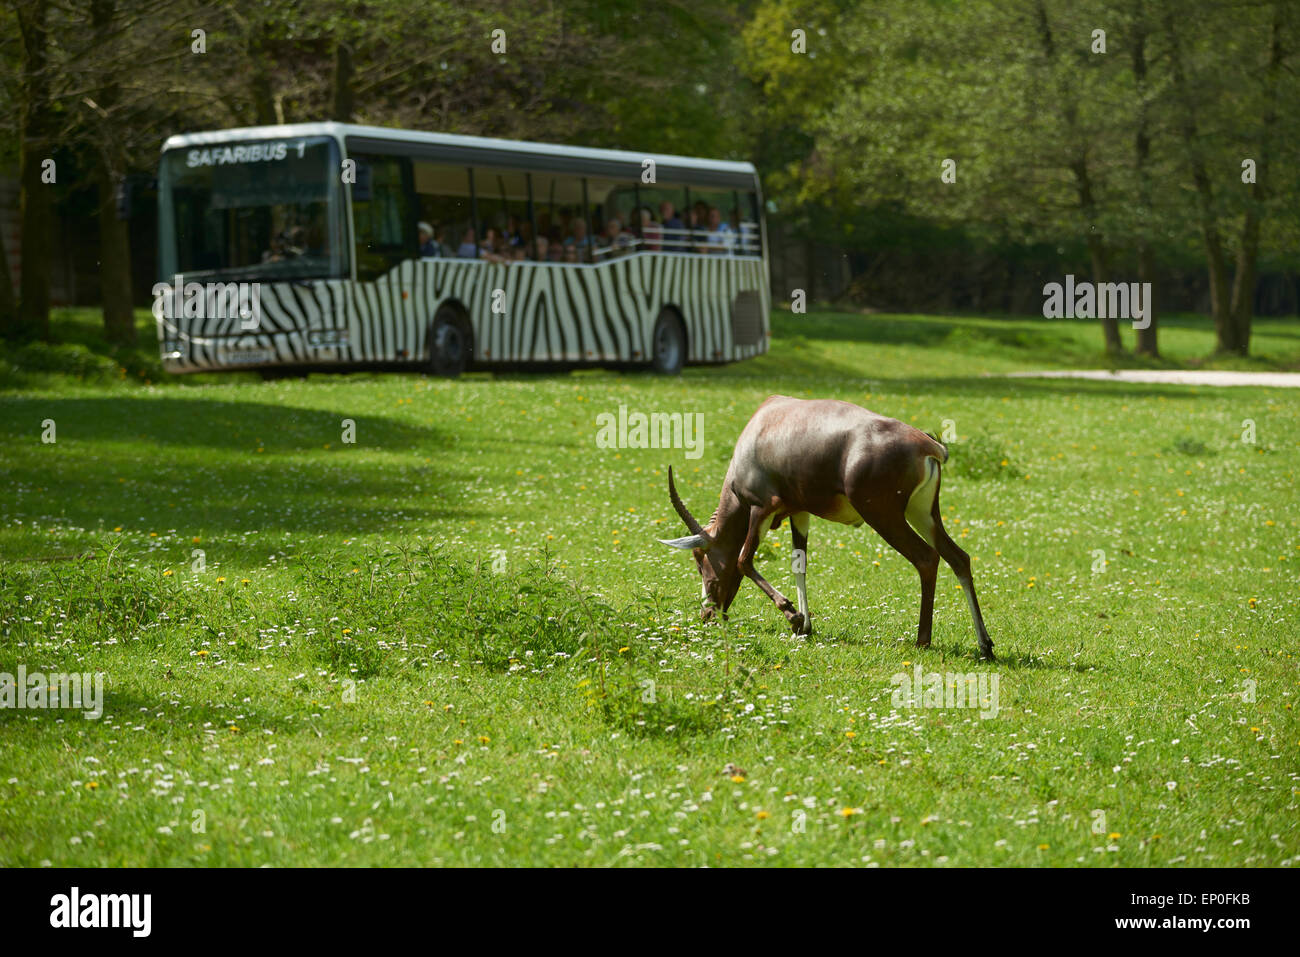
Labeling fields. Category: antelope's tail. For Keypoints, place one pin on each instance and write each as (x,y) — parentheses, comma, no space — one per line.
(940,451)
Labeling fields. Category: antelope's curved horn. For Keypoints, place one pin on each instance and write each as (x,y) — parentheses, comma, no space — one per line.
(685,513)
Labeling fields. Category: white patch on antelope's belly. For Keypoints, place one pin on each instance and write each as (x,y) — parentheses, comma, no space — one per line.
(842,511)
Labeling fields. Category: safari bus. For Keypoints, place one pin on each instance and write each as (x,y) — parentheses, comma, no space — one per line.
(365,246)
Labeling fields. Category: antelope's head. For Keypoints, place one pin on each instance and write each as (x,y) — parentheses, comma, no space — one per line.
(716,558)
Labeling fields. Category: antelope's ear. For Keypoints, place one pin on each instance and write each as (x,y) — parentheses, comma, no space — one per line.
(690,541)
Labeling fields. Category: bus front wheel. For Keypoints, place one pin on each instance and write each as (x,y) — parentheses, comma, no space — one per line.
(449,344)
(669,344)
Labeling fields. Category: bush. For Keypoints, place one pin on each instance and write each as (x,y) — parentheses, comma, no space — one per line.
(73,360)
(981,457)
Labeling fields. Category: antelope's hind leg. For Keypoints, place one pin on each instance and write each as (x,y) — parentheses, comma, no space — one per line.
(959,562)
(924,515)
(895,526)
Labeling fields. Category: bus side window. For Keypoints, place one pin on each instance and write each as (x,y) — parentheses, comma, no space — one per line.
(443,196)
(383,215)
(751,232)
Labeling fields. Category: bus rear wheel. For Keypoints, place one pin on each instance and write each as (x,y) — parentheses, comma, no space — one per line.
(668,344)
(449,343)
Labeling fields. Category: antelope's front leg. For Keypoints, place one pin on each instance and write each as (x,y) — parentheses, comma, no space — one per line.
(799,566)
(757,519)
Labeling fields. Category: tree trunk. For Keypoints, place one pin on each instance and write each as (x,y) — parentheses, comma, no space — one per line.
(8,304)
(1096,250)
(1243,288)
(114,235)
(1146,344)
(344,95)
(1146,338)
(114,264)
(37,207)
(1082,179)
(259,80)
(1216,259)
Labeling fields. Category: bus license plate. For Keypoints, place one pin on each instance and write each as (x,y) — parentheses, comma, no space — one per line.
(249,356)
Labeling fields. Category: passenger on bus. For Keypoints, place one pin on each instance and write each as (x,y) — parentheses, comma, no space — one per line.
(428,247)
(615,240)
(467,249)
(578,237)
(494,248)
(721,238)
(652,233)
(276,253)
(443,240)
(699,229)
(570,253)
(514,235)
(672,228)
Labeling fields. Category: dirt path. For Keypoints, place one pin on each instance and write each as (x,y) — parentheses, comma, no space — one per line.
(1271,380)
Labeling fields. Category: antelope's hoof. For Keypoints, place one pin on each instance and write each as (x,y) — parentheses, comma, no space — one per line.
(923,641)
(986,652)
(707,614)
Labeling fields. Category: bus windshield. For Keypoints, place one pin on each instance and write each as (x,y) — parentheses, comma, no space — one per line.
(267,209)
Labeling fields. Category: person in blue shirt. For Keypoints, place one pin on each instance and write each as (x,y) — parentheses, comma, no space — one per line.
(721,238)
(428,246)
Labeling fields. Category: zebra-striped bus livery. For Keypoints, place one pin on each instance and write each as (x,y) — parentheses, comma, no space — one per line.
(550,313)
(543,254)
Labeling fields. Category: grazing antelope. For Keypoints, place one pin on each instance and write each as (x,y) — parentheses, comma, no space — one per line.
(799,457)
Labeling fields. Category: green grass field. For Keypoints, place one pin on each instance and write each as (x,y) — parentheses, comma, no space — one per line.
(456,640)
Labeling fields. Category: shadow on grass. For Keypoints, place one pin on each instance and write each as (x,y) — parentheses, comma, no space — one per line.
(175,419)
(157,715)
(219,466)
(1015,660)
(1023,387)
(1020,336)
